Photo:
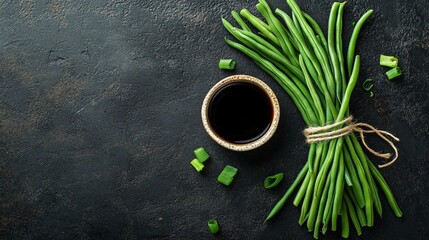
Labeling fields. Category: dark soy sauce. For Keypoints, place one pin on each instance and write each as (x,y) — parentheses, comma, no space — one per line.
(240,112)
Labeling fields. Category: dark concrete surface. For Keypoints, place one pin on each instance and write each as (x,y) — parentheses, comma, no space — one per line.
(100,113)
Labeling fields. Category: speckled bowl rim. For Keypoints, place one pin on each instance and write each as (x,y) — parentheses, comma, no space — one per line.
(251,145)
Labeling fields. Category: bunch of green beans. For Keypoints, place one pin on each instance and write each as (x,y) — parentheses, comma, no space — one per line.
(338,180)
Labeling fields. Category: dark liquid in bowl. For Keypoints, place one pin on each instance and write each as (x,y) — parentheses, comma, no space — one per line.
(240,112)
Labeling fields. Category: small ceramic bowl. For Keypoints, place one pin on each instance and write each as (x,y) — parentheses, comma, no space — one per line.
(246,146)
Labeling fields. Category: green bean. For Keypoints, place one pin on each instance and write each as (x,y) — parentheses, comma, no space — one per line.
(264,12)
(329,202)
(312,89)
(363,180)
(377,202)
(320,54)
(345,222)
(325,228)
(269,53)
(293,31)
(320,210)
(240,21)
(349,89)
(359,211)
(310,188)
(261,41)
(301,192)
(325,166)
(338,177)
(319,40)
(340,184)
(279,205)
(386,189)
(264,48)
(255,21)
(324,151)
(307,51)
(309,193)
(292,40)
(276,24)
(296,23)
(250,39)
(363,157)
(317,29)
(353,40)
(357,187)
(352,213)
(310,158)
(332,49)
(261,26)
(339,45)
(327,213)
(308,57)
(298,28)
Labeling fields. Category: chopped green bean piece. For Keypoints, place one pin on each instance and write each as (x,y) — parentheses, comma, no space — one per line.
(201,154)
(213,226)
(227,64)
(197,165)
(394,72)
(272,181)
(227,175)
(388,61)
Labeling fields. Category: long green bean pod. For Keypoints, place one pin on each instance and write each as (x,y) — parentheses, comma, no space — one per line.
(339,46)
(353,40)
(317,29)
(386,189)
(320,53)
(260,25)
(353,214)
(279,205)
(345,222)
(240,21)
(359,212)
(333,51)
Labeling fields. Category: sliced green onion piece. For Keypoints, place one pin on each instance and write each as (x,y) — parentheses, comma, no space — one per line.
(272,181)
(367,85)
(388,61)
(371,94)
(201,154)
(227,175)
(394,72)
(213,226)
(228,64)
(197,165)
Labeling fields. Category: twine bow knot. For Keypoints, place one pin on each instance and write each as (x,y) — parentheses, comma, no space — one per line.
(328,132)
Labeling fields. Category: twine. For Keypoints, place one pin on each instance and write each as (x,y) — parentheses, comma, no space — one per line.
(328,132)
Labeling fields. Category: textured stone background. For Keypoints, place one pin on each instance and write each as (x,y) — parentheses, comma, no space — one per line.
(100,112)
